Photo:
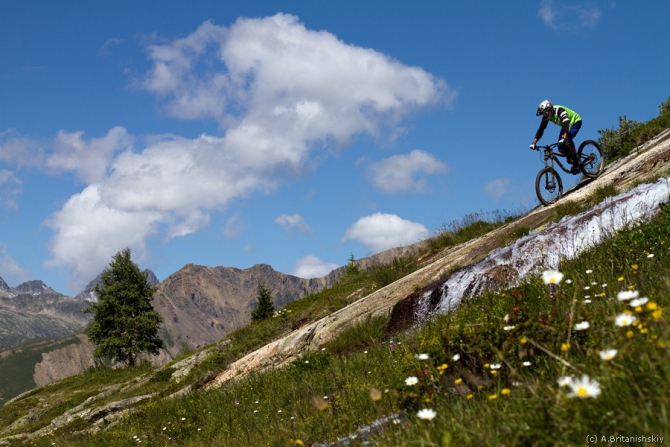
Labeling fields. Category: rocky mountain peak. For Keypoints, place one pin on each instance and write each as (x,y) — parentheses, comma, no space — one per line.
(89,295)
(34,287)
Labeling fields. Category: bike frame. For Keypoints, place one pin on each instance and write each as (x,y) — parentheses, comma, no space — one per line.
(549,154)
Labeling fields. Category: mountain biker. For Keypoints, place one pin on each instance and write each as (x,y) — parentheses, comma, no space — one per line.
(570,123)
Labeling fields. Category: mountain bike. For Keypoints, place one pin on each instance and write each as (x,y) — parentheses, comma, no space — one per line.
(548,184)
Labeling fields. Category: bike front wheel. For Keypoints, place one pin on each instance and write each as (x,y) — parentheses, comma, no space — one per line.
(591,158)
(548,186)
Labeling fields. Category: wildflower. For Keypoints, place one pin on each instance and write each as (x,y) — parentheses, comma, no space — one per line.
(564,381)
(657,314)
(527,363)
(426,414)
(375,395)
(442,367)
(650,255)
(507,317)
(638,302)
(508,328)
(620,278)
(565,347)
(493,396)
(523,340)
(589,271)
(582,326)
(587,287)
(411,381)
(456,357)
(422,357)
(458,381)
(652,306)
(608,354)
(635,266)
(604,285)
(630,334)
(495,365)
(552,277)
(627,295)
(584,387)
(470,396)
(505,391)
(624,320)
(568,281)
(587,301)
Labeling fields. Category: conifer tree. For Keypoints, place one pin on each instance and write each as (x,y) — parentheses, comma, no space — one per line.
(265,307)
(124,322)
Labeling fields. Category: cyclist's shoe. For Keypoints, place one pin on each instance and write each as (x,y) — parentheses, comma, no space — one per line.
(575,168)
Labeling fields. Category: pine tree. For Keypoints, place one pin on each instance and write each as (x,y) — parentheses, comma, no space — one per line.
(124,322)
(265,307)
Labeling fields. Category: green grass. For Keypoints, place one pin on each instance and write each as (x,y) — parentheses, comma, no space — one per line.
(361,376)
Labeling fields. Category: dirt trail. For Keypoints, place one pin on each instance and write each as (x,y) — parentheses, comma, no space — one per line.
(647,160)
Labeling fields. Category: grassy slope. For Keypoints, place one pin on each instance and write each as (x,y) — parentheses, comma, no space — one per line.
(331,393)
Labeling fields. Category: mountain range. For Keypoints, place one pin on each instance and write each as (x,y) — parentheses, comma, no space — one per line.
(199,305)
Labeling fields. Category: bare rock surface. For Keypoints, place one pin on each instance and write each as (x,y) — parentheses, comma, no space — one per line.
(648,160)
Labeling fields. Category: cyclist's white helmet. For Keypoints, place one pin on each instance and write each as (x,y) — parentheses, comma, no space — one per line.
(546,108)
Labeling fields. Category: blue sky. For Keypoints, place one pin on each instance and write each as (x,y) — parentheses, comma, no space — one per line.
(291,133)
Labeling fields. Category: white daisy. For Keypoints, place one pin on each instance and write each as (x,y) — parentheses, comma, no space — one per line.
(564,380)
(608,354)
(508,328)
(638,302)
(411,381)
(627,295)
(584,387)
(422,357)
(527,363)
(495,365)
(650,255)
(426,414)
(624,320)
(582,326)
(456,357)
(589,271)
(552,277)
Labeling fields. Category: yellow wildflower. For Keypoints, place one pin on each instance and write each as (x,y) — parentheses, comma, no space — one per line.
(470,396)
(458,381)
(565,347)
(630,334)
(652,305)
(657,313)
(493,396)
(620,278)
(523,340)
(505,391)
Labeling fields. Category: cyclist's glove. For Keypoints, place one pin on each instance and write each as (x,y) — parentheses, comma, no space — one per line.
(532,146)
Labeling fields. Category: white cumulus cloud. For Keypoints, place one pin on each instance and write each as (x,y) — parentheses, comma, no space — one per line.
(497,188)
(381,231)
(293,222)
(401,173)
(312,267)
(279,92)
(569,16)
(10,188)
(10,270)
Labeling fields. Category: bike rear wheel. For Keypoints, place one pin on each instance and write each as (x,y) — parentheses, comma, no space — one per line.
(591,158)
(548,186)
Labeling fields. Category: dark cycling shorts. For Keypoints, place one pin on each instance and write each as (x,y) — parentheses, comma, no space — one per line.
(573,131)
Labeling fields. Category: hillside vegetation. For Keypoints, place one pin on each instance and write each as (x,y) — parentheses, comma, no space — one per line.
(507,367)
